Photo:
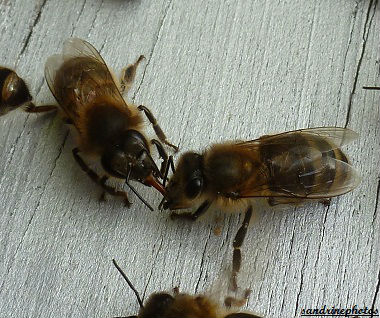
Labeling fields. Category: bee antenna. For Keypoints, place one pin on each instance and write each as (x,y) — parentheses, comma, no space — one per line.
(129,283)
(135,192)
(161,205)
(371,87)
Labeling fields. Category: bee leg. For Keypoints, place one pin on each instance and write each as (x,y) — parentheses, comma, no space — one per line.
(102,197)
(163,155)
(128,75)
(67,121)
(237,302)
(237,243)
(326,202)
(100,181)
(170,164)
(31,108)
(192,216)
(176,290)
(157,129)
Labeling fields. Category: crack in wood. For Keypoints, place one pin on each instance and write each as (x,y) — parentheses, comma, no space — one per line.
(301,280)
(152,268)
(34,212)
(347,49)
(376,293)
(94,19)
(31,29)
(202,261)
(162,20)
(367,27)
(376,202)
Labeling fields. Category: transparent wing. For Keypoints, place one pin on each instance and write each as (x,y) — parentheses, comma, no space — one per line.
(304,164)
(75,47)
(52,65)
(336,136)
(306,178)
(79,75)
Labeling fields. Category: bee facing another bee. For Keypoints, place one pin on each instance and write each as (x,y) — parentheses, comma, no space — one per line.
(287,168)
(15,93)
(109,128)
(165,305)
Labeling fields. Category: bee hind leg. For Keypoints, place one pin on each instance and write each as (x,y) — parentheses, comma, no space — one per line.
(237,244)
(237,302)
(326,202)
(99,180)
(128,75)
(157,129)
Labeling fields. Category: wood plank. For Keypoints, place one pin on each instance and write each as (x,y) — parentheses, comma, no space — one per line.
(215,71)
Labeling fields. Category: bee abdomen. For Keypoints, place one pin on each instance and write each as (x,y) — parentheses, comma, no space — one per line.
(312,167)
(14,92)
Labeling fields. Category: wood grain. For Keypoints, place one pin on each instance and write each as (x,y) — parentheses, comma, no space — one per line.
(215,71)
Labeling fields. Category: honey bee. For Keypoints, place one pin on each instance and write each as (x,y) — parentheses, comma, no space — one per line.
(109,128)
(287,168)
(15,93)
(167,305)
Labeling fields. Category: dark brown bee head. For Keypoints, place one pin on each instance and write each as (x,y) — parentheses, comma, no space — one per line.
(186,184)
(129,157)
(14,91)
(156,305)
(179,305)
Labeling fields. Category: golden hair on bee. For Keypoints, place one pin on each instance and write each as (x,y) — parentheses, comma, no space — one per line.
(287,168)
(176,304)
(15,94)
(109,128)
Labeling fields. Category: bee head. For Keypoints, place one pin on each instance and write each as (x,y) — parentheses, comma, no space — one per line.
(157,305)
(129,157)
(186,184)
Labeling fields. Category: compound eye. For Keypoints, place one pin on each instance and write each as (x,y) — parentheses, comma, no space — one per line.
(193,188)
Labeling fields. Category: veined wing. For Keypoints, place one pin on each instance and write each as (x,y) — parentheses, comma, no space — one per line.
(79,76)
(305,164)
(337,137)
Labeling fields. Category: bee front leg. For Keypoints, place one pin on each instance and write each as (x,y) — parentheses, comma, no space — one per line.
(192,216)
(237,244)
(163,155)
(157,129)
(31,108)
(128,75)
(99,180)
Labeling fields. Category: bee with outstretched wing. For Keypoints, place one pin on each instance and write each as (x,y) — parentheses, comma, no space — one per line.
(108,127)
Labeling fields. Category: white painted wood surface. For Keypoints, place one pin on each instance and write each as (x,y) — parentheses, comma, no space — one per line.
(215,70)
